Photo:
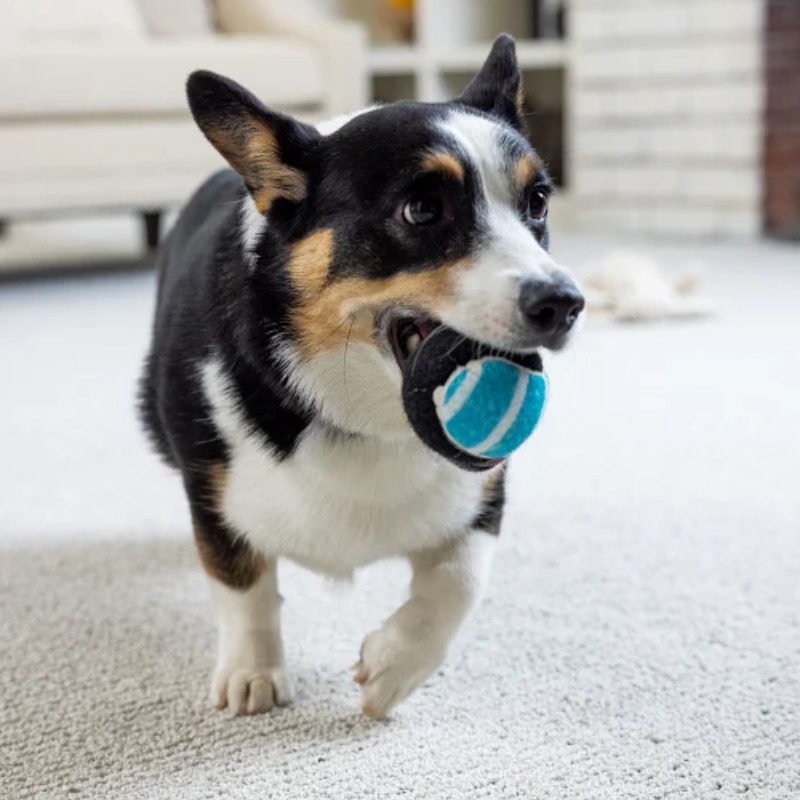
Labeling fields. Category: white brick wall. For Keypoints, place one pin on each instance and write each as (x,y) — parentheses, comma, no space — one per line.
(640,18)
(665,115)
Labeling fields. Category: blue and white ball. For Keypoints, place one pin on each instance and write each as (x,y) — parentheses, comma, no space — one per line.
(469,404)
(490,406)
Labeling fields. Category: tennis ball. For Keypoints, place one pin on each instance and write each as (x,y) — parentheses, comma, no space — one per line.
(468,402)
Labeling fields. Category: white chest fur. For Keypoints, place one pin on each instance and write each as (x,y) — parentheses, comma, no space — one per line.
(339,502)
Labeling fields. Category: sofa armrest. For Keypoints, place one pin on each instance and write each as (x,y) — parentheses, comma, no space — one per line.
(342,43)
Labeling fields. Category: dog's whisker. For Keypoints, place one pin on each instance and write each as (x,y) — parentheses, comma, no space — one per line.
(339,327)
(416,354)
(346,346)
(461,339)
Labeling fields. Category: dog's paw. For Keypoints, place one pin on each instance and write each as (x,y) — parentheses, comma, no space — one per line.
(250,690)
(394,662)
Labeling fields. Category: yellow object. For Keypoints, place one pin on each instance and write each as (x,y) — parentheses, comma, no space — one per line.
(403,5)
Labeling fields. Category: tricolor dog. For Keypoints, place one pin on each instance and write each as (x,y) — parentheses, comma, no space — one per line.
(290,292)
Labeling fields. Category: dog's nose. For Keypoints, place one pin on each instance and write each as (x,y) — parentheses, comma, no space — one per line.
(550,306)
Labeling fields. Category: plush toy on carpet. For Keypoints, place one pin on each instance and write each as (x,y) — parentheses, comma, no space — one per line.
(631,286)
(468,402)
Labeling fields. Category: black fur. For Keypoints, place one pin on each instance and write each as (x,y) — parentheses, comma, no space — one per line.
(208,302)
(490,517)
(495,88)
(225,555)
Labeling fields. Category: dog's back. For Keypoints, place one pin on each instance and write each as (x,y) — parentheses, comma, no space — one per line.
(183,265)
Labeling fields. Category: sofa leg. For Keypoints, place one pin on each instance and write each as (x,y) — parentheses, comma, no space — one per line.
(152,229)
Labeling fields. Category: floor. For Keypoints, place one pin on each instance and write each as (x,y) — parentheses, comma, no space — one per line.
(640,639)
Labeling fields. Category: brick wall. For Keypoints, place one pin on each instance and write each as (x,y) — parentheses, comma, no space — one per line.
(782,119)
(666,115)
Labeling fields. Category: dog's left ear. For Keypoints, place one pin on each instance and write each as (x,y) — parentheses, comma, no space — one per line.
(271,151)
(497,88)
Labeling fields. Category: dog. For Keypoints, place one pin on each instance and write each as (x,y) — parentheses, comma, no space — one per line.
(290,291)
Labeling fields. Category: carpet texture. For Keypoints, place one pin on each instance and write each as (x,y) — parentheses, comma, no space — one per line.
(640,639)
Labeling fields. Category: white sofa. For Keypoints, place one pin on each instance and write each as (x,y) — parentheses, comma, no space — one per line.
(92,107)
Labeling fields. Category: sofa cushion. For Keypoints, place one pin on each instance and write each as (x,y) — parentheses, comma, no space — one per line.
(148,77)
(32,20)
(177,17)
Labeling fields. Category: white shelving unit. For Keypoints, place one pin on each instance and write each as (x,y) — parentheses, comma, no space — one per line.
(450,41)
(429,68)
(531,55)
(453,36)
(404,60)
(400,59)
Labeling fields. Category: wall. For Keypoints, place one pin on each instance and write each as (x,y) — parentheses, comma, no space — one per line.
(782,119)
(666,115)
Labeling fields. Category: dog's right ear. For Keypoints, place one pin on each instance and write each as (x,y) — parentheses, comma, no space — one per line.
(497,88)
(270,151)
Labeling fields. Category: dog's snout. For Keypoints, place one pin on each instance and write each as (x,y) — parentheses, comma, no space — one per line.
(550,306)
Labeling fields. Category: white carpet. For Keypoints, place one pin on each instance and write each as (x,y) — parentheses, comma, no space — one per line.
(641,638)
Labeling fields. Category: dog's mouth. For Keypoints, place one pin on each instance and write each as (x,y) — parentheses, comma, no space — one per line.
(405,332)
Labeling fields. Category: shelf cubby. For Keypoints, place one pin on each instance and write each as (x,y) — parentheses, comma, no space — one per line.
(440,46)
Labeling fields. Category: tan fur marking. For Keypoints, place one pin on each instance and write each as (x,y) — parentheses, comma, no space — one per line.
(217,477)
(519,98)
(445,163)
(491,483)
(253,152)
(224,557)
(330,313)
(310,260)
(525,170)
(277,179)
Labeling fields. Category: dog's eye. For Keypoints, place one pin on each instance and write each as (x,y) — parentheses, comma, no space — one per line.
(537,205)
(423,209)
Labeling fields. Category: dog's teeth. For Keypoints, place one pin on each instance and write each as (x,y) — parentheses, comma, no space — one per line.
(413,342)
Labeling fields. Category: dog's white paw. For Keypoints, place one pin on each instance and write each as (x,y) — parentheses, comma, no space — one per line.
(250,690)
(394,662)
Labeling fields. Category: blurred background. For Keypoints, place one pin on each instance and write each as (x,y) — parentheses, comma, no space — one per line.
(656,117)
(641,633)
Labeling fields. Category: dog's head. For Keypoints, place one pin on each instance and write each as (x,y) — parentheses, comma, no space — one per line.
(390,222)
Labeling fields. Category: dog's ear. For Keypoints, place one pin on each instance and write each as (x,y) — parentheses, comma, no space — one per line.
(270,151)
(497,88)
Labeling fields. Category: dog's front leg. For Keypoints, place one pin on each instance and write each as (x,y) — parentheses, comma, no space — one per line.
(447,582)
(250,675)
